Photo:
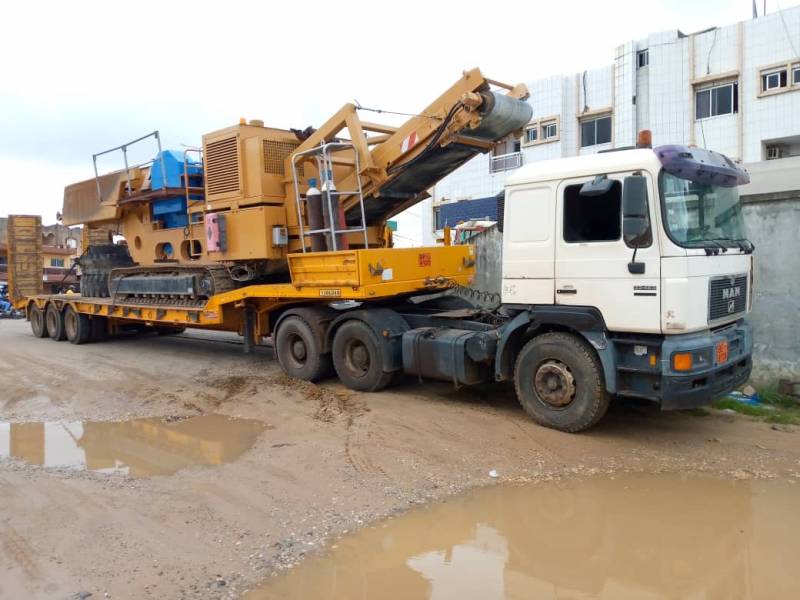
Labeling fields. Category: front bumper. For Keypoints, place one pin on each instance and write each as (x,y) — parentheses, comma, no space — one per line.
(699,388)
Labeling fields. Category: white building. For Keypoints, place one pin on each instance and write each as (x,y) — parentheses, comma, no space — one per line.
(733,89)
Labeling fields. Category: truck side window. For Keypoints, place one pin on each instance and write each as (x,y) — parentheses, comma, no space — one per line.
(592,218)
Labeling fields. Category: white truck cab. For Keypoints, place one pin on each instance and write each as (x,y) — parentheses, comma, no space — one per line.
(645,251)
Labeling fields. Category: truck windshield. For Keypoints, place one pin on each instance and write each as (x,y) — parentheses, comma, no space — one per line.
(702,215)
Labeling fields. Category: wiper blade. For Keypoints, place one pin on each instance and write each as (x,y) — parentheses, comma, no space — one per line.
(749,246)
(718,244)
(743,244)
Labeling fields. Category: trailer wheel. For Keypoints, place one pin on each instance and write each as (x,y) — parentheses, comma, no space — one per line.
(357,358)
(99,329)
(55,323)
(77,326)
(559,382)
(38,321)
(299,352)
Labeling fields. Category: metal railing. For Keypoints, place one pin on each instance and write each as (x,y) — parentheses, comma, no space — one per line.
(505,162)
(322,154)
(124,149)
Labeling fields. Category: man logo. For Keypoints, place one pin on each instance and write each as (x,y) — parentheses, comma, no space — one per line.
(731,306)
(729,293)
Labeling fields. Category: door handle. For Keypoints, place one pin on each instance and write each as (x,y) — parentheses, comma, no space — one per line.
(566,291)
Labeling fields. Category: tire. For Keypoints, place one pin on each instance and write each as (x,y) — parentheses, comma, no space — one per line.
(55,323)
(559,382)
(77,326)
(38,322)
(299,352)
(357,358)
(99,329)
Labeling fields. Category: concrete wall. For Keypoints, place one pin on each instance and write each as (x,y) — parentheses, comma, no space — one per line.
(772,225)
(772,217)
(489,252)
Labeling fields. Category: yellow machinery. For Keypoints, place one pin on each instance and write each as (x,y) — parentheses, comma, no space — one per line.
(281,233)
(244,208)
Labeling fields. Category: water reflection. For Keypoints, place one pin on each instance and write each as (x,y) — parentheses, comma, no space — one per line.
(638,536)
(139,447)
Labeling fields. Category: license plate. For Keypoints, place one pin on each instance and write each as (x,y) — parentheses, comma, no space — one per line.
(722,352)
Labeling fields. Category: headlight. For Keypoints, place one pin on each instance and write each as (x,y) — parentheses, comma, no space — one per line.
(694,360)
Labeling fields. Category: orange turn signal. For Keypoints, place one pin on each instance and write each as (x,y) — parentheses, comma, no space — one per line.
(682,361)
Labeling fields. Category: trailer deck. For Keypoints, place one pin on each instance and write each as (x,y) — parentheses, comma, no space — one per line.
(358,275)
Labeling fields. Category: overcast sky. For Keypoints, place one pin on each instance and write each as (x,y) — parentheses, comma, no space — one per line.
(80,77)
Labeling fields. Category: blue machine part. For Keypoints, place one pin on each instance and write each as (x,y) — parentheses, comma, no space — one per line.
(171,212)
(173,166)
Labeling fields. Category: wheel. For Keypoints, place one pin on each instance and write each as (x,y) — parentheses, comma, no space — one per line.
(357,358)
(99,329)
(77,326)
(559,382)
(38,321)
(55,323)
(299,352)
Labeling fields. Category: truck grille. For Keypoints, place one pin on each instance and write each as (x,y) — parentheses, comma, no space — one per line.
(727,296)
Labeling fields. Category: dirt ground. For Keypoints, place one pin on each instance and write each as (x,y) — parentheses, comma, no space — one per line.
(330,461)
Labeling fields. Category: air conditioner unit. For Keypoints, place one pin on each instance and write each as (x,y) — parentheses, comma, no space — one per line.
(775,151)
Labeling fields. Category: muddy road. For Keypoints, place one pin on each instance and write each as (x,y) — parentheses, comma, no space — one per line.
(88,508)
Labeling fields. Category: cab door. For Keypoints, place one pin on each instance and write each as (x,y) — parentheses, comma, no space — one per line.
(593,262)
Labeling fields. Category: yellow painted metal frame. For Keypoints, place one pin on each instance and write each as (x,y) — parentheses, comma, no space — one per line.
(363,275)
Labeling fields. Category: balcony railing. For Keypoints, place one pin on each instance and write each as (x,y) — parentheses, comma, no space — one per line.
(505,162)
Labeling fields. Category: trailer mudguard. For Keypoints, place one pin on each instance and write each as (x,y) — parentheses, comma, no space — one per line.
(388,325)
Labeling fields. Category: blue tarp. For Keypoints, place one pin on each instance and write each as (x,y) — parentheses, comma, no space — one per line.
(467,210)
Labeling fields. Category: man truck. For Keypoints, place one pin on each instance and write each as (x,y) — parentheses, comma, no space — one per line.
(624,273)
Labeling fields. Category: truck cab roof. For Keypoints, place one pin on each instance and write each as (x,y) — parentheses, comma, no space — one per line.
(687,162)
(586,166)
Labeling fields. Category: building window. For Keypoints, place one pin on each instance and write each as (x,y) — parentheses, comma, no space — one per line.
(596,131)
(796,74)
(642,58)
(717,100)
(592,218)
(3,260)
(773,80)
(541,131)
(56,262)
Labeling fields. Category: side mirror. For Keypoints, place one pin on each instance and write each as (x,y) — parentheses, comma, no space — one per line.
(598,186)
(635,220)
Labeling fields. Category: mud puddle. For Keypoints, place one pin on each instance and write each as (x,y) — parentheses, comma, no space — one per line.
(138,448)
(631,536)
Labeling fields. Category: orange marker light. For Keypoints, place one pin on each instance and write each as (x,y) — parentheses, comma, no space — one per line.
(653,360)
(645,139)
(682,361)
